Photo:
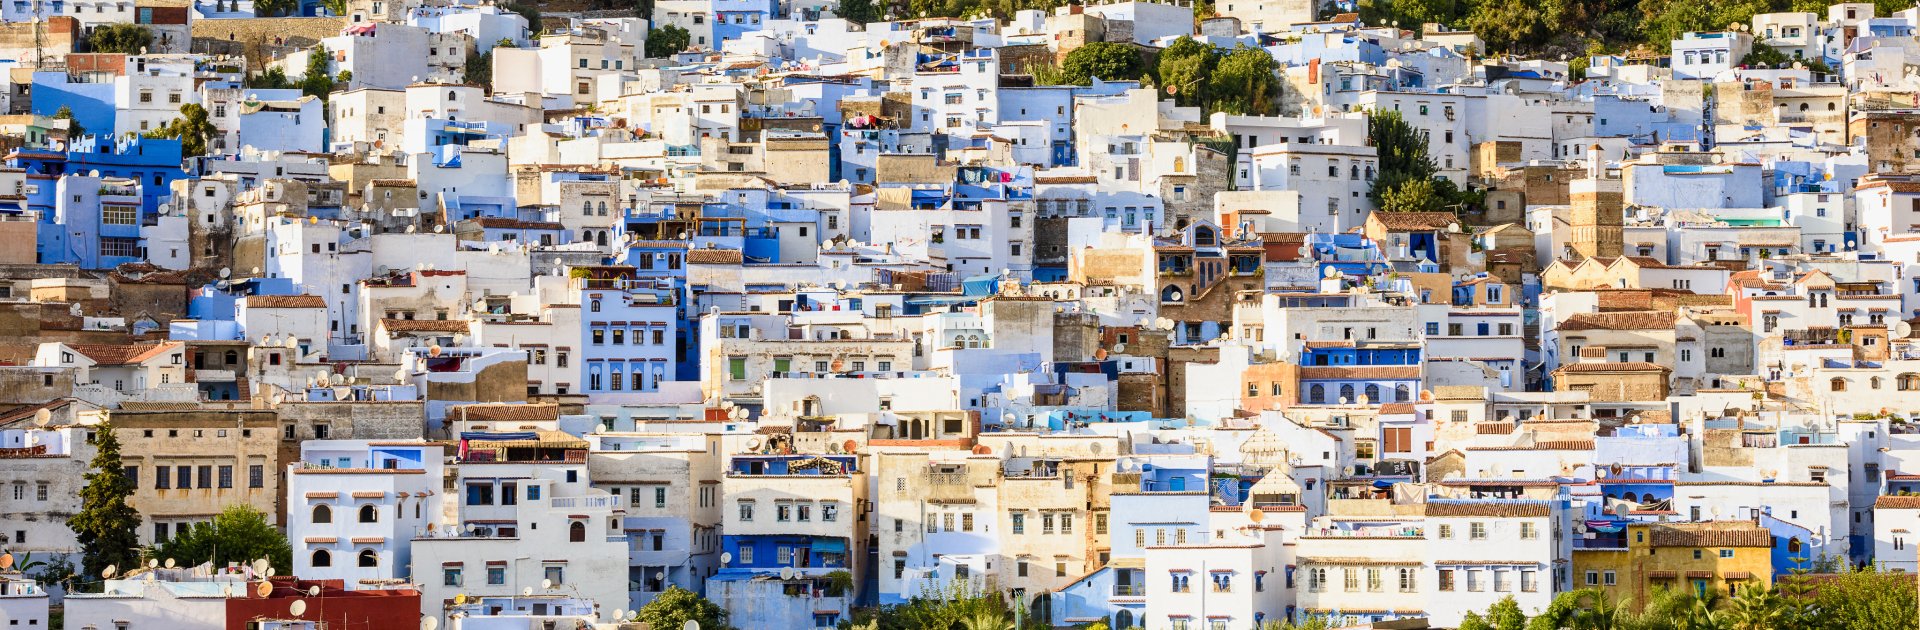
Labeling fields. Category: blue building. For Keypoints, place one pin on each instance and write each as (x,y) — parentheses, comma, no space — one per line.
(1345,370)
(630,326)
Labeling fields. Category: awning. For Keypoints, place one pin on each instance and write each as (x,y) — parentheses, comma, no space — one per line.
(829,545)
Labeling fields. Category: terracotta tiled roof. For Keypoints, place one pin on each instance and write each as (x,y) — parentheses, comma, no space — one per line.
(1633,366)
(122,354)
(1416,221)
(503,413)
(1495,509)
(1631,320)
(425,325)
(714,256)
(1072,179)
(1892,502)
(1711,534)
(285,301)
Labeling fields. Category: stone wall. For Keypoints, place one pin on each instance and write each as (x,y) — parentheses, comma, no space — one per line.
(261,39)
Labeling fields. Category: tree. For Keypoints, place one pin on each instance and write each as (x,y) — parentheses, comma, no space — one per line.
(106,526)
(986,620)
(318,81)
(336,7)
(1185,67)
(1668,20)
(479,68)
(1864,599)
(125,38)
(1244,83)
(237,534)
(1473,621)
(275,8)
(860,11)
(1402,151)
(667,41)
(1107,61)
(1506,615)
(676,606)
(74,130)
(194,129)
(1755,607)
(1512,25)
(1764,56)
(1416,195)
(271,79)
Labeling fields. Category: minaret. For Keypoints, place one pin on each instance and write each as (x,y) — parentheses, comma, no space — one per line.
(1598,211)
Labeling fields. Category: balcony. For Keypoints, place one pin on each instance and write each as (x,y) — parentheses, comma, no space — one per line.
(1129,590)
(601,501)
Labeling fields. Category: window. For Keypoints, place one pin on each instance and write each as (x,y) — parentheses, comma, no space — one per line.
(746,511)
(450,576)
(1408,581)
(1446,579)
(1610,578)
(496,575)
(322,514)
(1477,531)
(1180,581)
(226,478)
(256,476)
(322,558)
(1528,531)
(369,558)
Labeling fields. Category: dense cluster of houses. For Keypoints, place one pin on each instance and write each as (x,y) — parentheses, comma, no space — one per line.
(516,326)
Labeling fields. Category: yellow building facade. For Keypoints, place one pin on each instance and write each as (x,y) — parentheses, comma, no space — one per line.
(1709,557)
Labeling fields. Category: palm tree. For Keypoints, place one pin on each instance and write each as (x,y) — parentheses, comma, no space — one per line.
(1593,609)
(1755,607)
(986,620)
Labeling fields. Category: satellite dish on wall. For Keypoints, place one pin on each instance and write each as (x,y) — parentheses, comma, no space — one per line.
(263,589)
(297,608)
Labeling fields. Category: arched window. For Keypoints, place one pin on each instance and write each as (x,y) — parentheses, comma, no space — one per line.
(368,514)
(1317,394)
(601,240)
(1170,294)
(368,558)
(450,95)
(1793,545)
(586,208)
(586,235)
(577,532)
(322,514)
(233,357)
(1123,620)
(1402,393)
(1346,393)
(1837,384)
(1203,235)
(1373,394)
(973,341)
(322,558)
(1874,382)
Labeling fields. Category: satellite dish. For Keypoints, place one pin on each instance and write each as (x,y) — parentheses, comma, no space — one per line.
(256,270)
(460,599)
(435,350)
(297,608)
(1257,515)
(225,272)
(429,623)
(726,558)
(442,228)
(1902,329)
(526,592)
(412,228)
(401,375)
(155,563)
(292,342)
(313,591)
(546,585)
(1362,399)
(786,573)
(1330,273)
(263,589)
(272,571)
(42,417)
(170,563)
(6,561)
(849,446)
(690,625)
(108,572)
(1621,510)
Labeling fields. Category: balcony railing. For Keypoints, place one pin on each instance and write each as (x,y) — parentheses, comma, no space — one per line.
(1129,590)
(603,501)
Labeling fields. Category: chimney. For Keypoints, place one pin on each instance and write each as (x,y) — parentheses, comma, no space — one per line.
(1594,167)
